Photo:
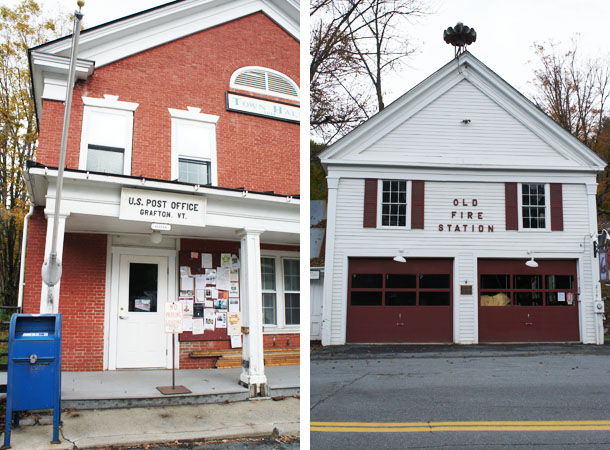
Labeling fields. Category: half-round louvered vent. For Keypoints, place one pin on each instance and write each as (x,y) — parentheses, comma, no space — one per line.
(265,81)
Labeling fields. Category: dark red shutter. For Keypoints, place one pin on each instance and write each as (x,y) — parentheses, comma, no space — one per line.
(417,204)
(370,203)
(556,207)
(512,206)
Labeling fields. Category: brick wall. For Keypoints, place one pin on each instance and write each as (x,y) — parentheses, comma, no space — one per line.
(253,152)
(37,233)
(281,341)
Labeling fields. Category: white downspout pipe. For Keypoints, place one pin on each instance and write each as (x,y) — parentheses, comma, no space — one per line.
(24,245)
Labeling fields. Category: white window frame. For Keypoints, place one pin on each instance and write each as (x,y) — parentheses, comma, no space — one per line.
(407,225)
(280,303)
(264,91)
(110,104)
(547,210)
(206,121)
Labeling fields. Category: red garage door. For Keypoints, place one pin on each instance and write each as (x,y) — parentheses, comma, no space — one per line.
(390,301)
(518,303)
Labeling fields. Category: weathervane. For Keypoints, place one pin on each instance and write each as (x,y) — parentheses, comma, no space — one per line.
(460,36)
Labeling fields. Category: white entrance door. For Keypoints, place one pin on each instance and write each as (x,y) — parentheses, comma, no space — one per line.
(141,339)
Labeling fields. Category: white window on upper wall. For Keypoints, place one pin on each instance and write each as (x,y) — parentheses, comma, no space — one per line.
(265,81)
(107,135)
(533,206)
(194,147)
(392,202)
(280,282)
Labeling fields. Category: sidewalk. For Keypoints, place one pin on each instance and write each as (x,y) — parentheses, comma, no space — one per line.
(387,351)
(131,426)
(124,407)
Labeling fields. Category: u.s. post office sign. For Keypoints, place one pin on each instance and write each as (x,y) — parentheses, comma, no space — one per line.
(265,108)
(162,207)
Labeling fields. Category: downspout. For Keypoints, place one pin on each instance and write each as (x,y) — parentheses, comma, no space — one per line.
(24,241)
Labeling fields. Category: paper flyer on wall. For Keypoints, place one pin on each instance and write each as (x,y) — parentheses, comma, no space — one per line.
(221,319)
(225,260)
(222,278)
(200,281)
(234,289)
(187,305)
(198,327)
(234,324)
(220,304)
(185,271)
(209,303)
(209,319)
(236,341)
(199,295)
(211,293)
(210,275)
(206,260)
(234,275)
(233,304)
(187,323)
(234,262)
(194,255)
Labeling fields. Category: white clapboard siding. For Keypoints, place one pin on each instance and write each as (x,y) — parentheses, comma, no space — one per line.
(351,239)
(436,134)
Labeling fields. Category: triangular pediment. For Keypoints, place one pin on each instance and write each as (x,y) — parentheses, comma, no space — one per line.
(464,115)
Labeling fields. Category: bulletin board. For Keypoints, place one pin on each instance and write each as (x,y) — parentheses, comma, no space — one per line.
(194,260)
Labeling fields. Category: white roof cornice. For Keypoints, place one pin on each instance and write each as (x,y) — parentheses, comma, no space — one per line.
(467,67)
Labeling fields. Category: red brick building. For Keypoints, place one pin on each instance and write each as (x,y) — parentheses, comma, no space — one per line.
(181,185)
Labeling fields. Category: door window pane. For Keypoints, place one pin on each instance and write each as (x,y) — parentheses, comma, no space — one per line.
(559,282)
(495,282)
(527,282)
(360,298)
(495,299)
(366,280)
(143,287)
(400,298)
(398,281)
(434,298)
(528,298)
(434,281)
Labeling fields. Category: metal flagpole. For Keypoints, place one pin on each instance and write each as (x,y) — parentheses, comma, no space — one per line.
(51,269)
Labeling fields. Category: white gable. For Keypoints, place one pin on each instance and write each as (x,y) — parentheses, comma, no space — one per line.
(437,133)
(463,116)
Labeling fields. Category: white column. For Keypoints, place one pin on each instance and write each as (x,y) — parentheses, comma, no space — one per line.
(329,260)
(253,364)
(595,276)
(45,306)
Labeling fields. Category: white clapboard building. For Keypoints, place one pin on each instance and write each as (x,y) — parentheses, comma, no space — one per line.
(461,213)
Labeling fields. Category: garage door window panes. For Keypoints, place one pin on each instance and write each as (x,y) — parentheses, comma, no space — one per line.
(526,290)
(391,289)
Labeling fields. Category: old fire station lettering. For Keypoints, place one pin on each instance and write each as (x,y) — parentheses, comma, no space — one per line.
(466,218)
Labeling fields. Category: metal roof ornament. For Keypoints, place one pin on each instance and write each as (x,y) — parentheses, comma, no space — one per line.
(460,36)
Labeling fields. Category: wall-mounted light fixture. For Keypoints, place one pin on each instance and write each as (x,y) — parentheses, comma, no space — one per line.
(531,262)
(399,258)
(156,237)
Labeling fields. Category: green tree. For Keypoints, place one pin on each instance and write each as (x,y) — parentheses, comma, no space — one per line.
(21,27)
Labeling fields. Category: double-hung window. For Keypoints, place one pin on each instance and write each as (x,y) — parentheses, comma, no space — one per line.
(281,291)
(393,211)
(534,205)
(107,135)
(194,147)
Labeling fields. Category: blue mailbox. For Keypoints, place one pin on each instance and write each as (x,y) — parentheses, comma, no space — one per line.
(34,368)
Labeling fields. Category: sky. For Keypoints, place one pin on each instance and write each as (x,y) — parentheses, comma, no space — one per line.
(506,30)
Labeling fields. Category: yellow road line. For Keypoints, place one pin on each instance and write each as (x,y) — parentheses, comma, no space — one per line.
(417,427)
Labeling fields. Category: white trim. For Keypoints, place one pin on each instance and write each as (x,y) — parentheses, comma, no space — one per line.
(206,122)
(108,105)
(107,288)
(409,206)
(547,210)
(264,91)
(470,68)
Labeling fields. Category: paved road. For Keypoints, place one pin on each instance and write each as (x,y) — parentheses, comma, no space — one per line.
(245,444)
(461,398)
